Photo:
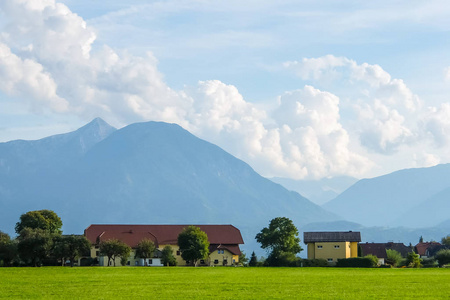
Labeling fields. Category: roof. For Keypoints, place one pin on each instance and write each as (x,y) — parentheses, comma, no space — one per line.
(422,247)
(160,234)
(234,249)
(379,249)
(332,236)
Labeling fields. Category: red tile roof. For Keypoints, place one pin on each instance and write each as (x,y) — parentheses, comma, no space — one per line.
(422,247)
(161,234)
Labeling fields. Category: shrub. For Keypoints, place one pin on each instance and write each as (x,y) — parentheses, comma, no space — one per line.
(368,261)
(429,262)
(443,257)
(320,262)
(413,260)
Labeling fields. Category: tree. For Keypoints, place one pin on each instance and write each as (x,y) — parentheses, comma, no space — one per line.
(34,245)
(8,250)
(43,219)
(70,247)
(393,257)
(413,260)
(446,241)
(281,240)
(243,259)
(113,249)
(443,257)
(145,249)
(253,260)
(168,259)
(194,244)
(421,239)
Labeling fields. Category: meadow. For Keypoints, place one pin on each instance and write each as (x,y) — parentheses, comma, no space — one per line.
(223,283)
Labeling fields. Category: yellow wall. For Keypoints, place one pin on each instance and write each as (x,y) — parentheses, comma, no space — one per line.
(332,250)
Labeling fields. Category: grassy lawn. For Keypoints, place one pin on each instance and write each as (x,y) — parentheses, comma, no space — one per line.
(223,283)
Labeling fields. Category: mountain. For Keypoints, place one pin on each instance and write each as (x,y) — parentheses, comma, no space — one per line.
(318,191)
(145,173)
(389,199)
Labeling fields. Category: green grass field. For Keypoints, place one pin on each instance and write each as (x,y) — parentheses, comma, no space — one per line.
(223,283)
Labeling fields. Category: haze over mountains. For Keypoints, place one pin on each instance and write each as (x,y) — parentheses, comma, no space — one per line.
(158,173)
(145,173)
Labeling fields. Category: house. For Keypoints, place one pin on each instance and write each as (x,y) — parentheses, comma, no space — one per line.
(224,242)
(332,245)
(424,248)
(379,250)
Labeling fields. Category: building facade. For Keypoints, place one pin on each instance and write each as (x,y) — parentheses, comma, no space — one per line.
(332,246)
(224,242)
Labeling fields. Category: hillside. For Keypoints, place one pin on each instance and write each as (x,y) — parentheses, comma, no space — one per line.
(388,199)
(145,173)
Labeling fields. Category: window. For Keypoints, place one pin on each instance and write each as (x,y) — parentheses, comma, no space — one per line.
(150,261)
(178,252)
(202,261)
(220,251)
(216,261)
(319,247)
(97,253)
(336,246)
(330,260)
(128,263)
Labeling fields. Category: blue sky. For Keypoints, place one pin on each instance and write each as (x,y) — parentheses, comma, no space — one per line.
(299,89)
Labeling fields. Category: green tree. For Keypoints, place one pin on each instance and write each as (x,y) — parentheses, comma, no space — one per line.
(194,244)
(40,219)
(70,247)
(167,257)
(145,249)
(34,245)
(253,260)
(8,250)
(113,249)
(446,240)
(443,257)
(421,239)
(281,240)
(393,257)
(243,259)
(413,260)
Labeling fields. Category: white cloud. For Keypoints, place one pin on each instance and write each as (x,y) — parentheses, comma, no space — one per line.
(447,74)
(381,103)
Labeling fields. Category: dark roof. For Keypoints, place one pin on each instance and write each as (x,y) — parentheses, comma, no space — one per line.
(332,236)
(160,234)
(379,249)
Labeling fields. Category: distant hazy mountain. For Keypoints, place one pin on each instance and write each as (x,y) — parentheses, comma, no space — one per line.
(413,197)
(318,191)
(145,173)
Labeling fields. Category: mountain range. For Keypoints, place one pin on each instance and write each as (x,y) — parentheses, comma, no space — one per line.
(144,173)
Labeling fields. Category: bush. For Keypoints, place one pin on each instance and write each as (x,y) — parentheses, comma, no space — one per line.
(368,261)
(413,260)
(429,263)
(320,262)
(443,257)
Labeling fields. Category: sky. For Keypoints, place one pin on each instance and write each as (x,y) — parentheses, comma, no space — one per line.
(297,89)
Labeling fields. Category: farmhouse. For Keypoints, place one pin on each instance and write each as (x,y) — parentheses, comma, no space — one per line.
(424,249)
(332,245)
(224,242)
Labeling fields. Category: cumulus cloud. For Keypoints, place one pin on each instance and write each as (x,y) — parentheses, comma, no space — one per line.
(382,104)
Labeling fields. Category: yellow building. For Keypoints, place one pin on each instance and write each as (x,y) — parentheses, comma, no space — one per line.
(224,242)
(332,245)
